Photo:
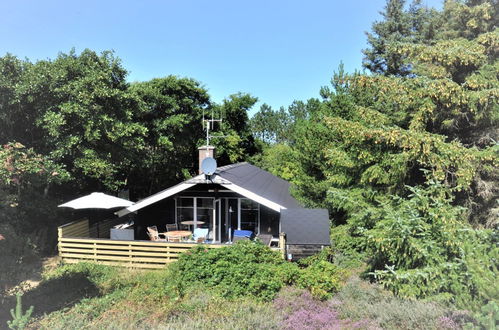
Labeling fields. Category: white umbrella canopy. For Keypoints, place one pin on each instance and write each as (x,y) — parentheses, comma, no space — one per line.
(97,200)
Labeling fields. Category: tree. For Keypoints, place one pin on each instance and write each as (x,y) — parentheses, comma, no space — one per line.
(235,142)
(271,126)
(409,163)
(77,110)
(398,25)
(17,124)
(171,110)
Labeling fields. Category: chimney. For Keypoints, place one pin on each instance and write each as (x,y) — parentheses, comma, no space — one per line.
(205,151)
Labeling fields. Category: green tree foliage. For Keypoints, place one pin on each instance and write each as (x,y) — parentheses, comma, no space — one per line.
(170,110)
(235,140)
(407,158)
(25,179)
(271,126)
(75,109)
(398,25)
(422,248)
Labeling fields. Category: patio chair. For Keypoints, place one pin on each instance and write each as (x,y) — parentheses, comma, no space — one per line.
(171,226)
(154,235)
(243,233)
(200,234)
(266,239)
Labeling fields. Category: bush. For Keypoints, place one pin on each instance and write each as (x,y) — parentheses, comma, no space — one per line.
(422,249)
(249,269)
(321,278)
(243,269)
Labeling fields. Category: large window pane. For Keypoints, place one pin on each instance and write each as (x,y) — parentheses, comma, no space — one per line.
(204,211)
(249,215)
(204,202)
(185,214)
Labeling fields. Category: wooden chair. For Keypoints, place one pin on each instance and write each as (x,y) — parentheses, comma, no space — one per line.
(154,235)
(266,239)
(171,226)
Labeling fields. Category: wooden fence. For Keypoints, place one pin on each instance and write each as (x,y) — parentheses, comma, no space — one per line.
(135,254)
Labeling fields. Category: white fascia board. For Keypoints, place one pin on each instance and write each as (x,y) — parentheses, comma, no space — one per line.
(251,195)
(154,198)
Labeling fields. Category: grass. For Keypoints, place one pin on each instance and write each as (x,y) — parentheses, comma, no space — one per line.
(115,298)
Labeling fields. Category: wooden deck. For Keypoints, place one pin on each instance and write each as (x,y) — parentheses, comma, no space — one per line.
(76,244)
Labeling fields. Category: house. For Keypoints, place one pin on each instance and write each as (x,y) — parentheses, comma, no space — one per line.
(235,197)
(220,199)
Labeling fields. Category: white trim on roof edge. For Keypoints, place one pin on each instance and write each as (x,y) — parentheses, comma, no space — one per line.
(191,182)
(251,195)
(154,198)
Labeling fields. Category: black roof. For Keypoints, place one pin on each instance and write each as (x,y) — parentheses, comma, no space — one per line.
(243,175)
(306,226)
(259,182)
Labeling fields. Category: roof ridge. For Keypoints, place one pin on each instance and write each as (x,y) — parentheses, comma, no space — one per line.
(225,167)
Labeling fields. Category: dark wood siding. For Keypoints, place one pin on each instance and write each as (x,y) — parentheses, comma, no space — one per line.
(302,251)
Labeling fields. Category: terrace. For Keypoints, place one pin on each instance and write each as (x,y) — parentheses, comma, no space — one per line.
(80,241)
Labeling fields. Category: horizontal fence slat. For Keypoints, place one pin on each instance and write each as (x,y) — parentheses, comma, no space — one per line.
(118,253)
(144,243)
(116,258)
(72,223)
(120,264)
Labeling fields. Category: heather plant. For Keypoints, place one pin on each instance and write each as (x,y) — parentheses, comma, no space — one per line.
(301,311)
(360,300)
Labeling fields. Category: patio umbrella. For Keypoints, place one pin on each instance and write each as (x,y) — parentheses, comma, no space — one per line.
(97,200)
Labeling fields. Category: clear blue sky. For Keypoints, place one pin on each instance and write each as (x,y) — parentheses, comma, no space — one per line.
(278,51)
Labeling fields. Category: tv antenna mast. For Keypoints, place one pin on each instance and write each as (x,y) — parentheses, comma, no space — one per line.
(209,124)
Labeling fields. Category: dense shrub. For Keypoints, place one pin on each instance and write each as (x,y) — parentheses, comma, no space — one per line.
(421,248)
(249,269)
(321,278)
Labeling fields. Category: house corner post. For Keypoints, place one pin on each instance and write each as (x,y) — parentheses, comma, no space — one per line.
(282,245)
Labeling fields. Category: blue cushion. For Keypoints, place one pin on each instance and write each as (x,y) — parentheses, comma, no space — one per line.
(243,233)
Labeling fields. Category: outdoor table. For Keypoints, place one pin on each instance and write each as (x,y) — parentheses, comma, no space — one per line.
(177,234)
(191,222)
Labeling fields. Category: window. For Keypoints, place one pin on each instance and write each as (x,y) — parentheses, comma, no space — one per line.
(185,209)
(199,208)
(204,211)
(250,213)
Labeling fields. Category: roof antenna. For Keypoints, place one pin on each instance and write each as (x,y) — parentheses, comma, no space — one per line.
(209,164)
(210,124)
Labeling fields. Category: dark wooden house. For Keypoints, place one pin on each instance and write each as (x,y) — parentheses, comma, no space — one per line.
(235,197)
